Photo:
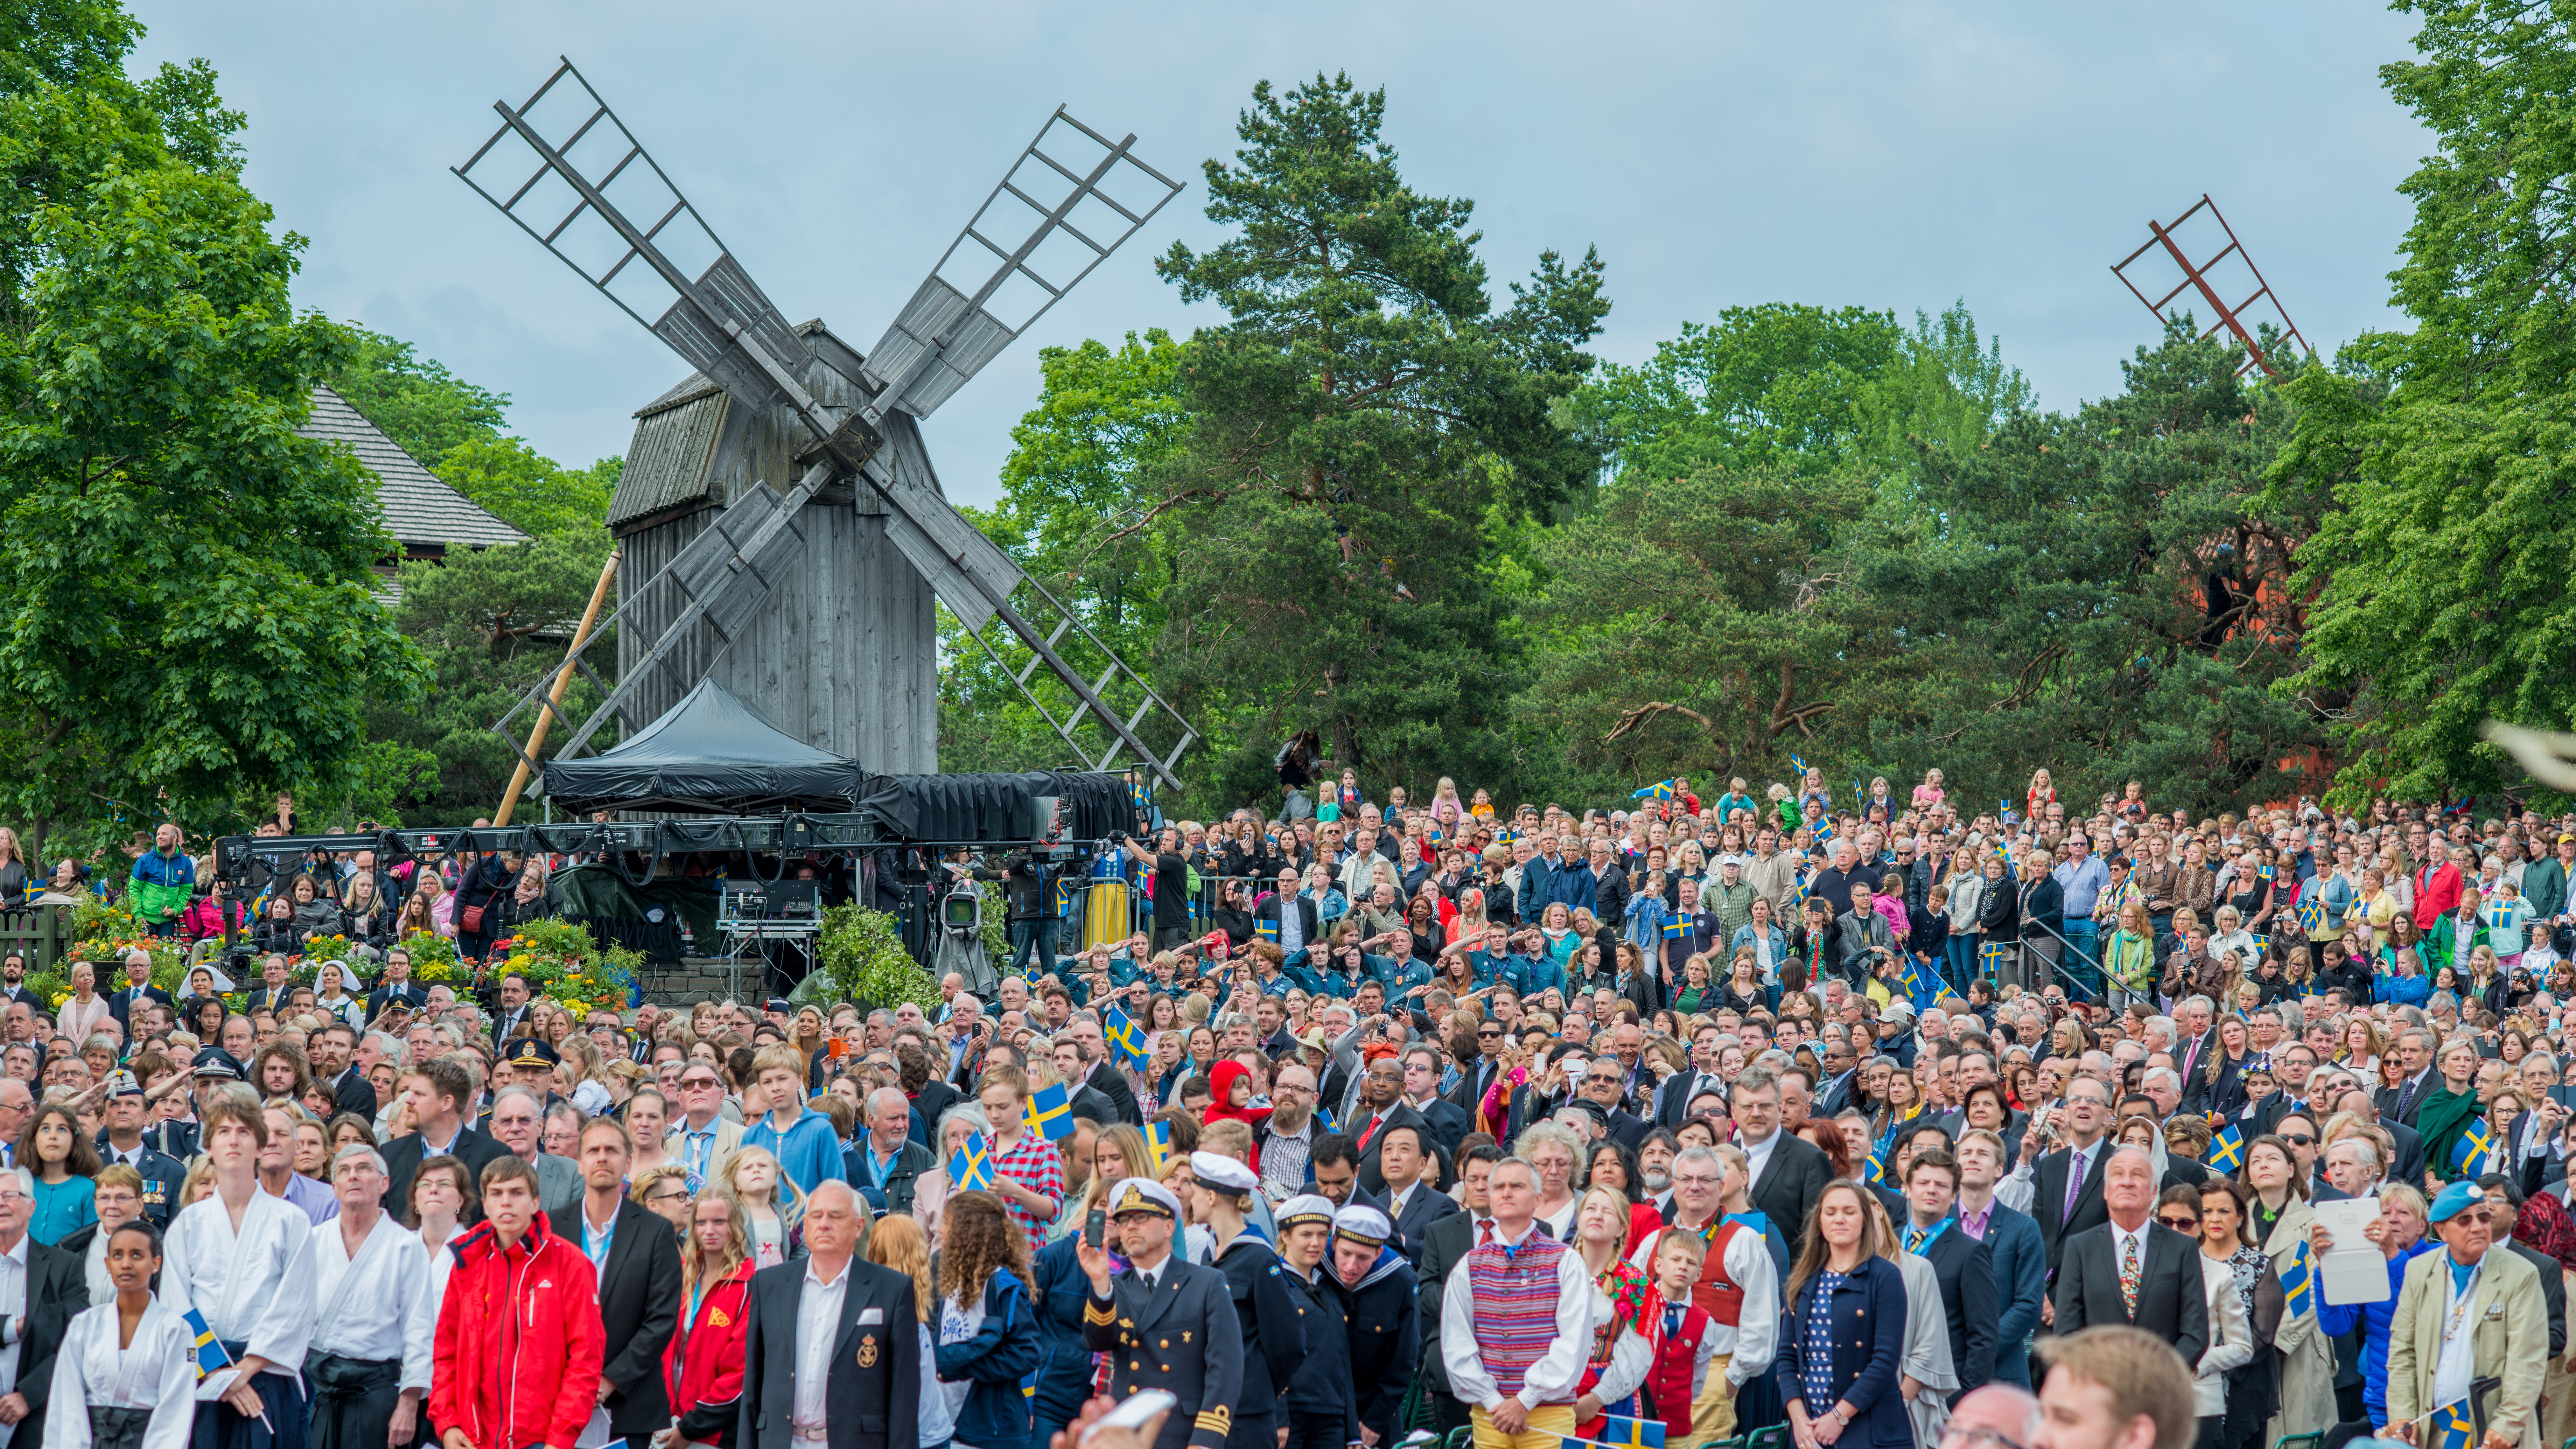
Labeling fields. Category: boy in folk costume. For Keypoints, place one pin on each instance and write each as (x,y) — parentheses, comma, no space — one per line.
(1677,1329)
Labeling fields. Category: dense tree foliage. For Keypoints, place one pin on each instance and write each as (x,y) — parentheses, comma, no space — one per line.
(188,616)
(2442,594)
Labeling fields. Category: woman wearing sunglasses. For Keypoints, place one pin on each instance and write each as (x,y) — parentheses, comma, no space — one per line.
(2232,1338)
(2282,1221)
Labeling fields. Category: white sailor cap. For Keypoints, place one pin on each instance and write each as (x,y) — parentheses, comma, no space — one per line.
(1305,1207)
(1363,1224)
(1223,1173)
(1143,1195)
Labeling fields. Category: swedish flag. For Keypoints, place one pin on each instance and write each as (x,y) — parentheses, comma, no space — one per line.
(1921,986)
(2475,1157)
(1660,790)
(1050,1112)
(211,1358)
(2312,916)
(2500,916)
(1877,1165)
(1676,926)
(970,1168)
(1122,1032)
(1990,958)
(2454,1427)
(2227,1149)
(1800,765)
(2298,1293)
(1158,1144)
(1631,1433)
(1267,927)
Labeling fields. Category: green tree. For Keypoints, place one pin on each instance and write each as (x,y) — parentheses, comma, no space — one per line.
(2441,595)
(2106,594)
(492,622)
(189,615)
(1070,503)
(1356,417)
(527,490)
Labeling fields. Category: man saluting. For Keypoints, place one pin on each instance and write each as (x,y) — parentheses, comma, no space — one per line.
(1164,1323)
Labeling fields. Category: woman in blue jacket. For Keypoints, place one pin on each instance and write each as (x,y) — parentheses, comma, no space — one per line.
(988,1330)
(1843,1341)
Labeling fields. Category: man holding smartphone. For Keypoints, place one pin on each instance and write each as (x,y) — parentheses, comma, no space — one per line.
(1165,1323)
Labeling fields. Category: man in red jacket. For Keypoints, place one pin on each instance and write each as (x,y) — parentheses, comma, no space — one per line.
(519,1338)
(2437,886)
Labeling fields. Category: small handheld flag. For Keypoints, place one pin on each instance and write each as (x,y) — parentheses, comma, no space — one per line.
(2501,916)
(2227,1149)
(1798,764)
(1877,1163)
(1631,1433)
(1676,926)
(970,1169)
(2312,916)
(1660,790)
(1920,985)
(1267,927)
(2298,1293)
(2453,1427)
(211,1358)
(1122,1033)
(1050,1112)
(1990,959)
(2475,1156)
(1158,1143)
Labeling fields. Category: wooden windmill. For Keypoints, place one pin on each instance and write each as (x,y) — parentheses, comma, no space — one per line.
(813,604)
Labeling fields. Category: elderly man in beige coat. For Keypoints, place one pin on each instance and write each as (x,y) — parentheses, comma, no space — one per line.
(2467,1314)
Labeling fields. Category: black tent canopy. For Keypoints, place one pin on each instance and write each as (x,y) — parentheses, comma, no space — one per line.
(709,754)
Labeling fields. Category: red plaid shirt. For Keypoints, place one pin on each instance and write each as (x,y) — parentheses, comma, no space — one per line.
(1033,1163)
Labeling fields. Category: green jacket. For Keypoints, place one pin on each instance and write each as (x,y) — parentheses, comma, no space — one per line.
(2544,884)
(1732,905)
(161,885)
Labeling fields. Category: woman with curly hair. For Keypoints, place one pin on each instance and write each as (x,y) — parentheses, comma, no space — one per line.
(988,1333)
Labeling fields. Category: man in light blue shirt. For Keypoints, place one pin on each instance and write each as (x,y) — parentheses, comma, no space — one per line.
(2083,876)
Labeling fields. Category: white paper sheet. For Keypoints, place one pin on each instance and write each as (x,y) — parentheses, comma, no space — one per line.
(2356,1271)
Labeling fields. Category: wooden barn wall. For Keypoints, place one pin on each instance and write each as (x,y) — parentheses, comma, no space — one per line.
(844,653)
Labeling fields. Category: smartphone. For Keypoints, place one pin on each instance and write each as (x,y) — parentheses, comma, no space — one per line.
(1134,1412)
(1095,1228)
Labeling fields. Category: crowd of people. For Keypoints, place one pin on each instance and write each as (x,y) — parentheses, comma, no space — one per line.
(1875,1116)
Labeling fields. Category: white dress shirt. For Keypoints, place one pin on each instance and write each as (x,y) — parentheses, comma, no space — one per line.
(818,1326)
(158,1372)
(13,1332)
(1551,1379)
(2121,1238)
(254,1288)
(388,1312)
(1757,1156)
(1755,1337)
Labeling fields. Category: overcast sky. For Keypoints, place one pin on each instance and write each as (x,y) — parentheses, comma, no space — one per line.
(1874,152)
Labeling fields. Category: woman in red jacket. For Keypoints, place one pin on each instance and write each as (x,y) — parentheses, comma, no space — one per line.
(704,1363)
(519,1337)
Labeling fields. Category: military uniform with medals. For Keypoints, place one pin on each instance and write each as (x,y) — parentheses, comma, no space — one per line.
(1177,1333)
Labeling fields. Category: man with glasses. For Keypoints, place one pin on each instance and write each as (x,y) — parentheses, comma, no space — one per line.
(2466,1313)
(41,1289)
(702,1137)
(1449,1121)
(1738,1286)
(1382,1106)
(885,1160)
(2067,1183)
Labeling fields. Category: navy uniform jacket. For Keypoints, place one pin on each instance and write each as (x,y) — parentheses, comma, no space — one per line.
(162,1175)
(1384,1328)
(1274,1337)
(1321,1384)
(872,1393)
(1181,1338)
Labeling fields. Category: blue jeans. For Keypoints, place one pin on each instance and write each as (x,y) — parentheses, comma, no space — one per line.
(2084,955)
(1962,954)
(1039,935)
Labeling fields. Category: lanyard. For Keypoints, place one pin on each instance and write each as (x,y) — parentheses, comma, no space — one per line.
(2459,1309)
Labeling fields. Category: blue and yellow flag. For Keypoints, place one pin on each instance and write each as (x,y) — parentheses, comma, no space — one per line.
(2227,1149)
(1990,959)
(2298,1289)
(1050,1112)
(1676,926)
(1267,927)
(1158,1143)
(1800,765)
(1876,1168)
(2475,1157)
(2312,916)
(2454,1427)
(211,1358)
(1921,986)
(970,1168)
(1122,1033)
(1632,1433)
(1660,790)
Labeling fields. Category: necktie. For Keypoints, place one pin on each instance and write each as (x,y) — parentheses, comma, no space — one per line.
(1484,1232)
(1914,1240)
(2129,1273)
(2074,1184)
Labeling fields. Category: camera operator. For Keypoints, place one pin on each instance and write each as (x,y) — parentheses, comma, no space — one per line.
(1171,883)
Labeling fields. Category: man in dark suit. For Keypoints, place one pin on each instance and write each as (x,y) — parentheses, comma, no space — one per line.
(1444,1243)
(398,986)
(1101,1076)
(1449,1121)
(2132,1269)
(275,986)
(872,1389)
(1165,1323)
(2020,1259)
(2066,1197)
(2504,1205)
(1411,1202)
(1381,1106)
(637,1257)
(437,1091)
(1842,1076)
(138,987)
(1789,1173)
(57,1289)
(13,983)
(1301,928)
(333,1048)
(1601,1089)
(1966,1266)
(2400,1103)
(1479,1076)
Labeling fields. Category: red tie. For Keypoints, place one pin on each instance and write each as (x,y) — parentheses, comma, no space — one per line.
(1371,1132)
(1485,1232)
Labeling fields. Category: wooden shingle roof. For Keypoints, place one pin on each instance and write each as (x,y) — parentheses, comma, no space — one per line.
(419,510)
